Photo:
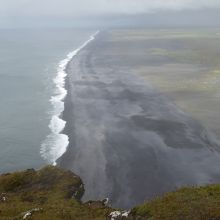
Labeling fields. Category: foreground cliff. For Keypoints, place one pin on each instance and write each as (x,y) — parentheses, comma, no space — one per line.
(47,194)
(54,194)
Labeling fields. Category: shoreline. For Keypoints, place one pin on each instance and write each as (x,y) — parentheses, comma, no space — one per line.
(124,135)
(57,142)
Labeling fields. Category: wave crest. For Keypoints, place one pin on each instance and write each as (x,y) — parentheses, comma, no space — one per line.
(56,143)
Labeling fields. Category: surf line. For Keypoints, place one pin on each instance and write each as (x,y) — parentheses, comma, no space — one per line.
(56,143)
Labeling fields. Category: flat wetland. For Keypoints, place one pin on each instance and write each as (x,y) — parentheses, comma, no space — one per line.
(182,64)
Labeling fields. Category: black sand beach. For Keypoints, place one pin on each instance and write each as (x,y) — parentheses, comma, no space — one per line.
(128,141)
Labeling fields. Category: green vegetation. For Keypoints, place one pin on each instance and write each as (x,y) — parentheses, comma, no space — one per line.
(183,64)
(50,193)
(54,194)
(185,204)
(166,34)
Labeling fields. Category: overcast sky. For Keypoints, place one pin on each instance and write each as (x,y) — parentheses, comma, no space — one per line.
(18,13)
(97,7)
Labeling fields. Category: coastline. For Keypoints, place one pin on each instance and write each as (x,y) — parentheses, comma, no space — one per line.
(124,135)
(57,142)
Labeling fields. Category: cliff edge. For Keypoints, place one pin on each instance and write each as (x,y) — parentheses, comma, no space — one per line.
(55,194)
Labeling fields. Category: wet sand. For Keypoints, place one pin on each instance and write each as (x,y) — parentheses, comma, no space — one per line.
(129,141)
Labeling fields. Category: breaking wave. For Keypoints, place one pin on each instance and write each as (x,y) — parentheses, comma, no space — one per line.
(56,143)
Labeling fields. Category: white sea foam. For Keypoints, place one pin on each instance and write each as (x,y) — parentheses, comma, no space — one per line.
(56,143)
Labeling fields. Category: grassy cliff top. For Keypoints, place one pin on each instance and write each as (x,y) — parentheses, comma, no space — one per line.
(189,203)
(54,194)
(47,194)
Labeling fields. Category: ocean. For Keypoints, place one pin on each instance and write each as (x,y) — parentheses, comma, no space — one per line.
(32,77)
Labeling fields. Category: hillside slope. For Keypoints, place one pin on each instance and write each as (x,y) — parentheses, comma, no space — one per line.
(47,194)
(54,194)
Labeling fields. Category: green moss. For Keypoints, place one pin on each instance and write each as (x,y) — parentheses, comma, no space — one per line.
(49,189)
(186,203)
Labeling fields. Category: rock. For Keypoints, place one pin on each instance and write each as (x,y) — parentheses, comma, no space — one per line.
(119,215)
(105,201)
(3,197)
(30,212)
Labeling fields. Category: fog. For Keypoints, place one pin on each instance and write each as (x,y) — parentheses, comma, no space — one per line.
(93,7)
(17,13)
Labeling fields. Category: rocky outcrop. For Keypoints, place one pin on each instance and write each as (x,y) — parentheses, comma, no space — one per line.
(49,193)
(54,194)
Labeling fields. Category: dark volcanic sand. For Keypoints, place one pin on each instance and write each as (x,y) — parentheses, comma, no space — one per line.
(127,141)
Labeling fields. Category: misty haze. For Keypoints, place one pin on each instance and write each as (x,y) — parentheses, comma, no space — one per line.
(115,104)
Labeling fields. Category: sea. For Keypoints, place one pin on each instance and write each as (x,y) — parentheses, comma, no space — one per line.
(32,89)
